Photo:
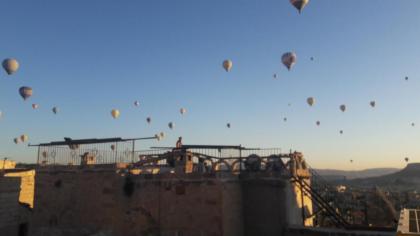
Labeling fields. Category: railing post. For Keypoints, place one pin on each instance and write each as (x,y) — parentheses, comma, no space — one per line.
(37,160)
(302,204)
(116,150)
(240,159)
(132,151)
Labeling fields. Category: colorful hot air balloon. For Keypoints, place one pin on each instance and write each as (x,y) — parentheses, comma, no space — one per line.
(343,108)
(35,106)
(16,140)
(24,138)
(318,123)
(55,110)
(10,65)
(149,120)
(171,125)
(25,92)
(227,65)
(115,113)
(183,111)
(289,59)
(372,103)
(299,4)
(113,147)
(406,159)
(310,101)
(136,103)
(228,125)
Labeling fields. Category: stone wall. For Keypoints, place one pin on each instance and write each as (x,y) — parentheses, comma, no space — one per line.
(27,185)
(103,201)
(9,205)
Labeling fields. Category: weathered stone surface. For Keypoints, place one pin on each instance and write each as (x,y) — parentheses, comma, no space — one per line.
(98,203)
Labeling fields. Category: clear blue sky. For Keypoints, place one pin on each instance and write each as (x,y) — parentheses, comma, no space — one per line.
(88,57)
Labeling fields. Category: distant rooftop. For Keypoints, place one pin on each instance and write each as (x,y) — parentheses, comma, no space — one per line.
(409,223)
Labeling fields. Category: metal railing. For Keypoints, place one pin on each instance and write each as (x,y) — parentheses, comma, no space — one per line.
(219,159)
(87,151)
(217,152)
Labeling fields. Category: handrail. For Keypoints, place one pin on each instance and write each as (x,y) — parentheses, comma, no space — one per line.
(318,198)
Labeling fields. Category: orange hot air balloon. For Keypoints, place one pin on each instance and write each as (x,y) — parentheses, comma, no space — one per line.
(115,113)
(10,65)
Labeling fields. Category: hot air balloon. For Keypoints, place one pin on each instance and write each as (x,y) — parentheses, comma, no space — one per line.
(372,103)
(162,135)
(312,58)
(318,123)
(275,76)
(341,132)
(10,65)
(412,124)
(343,108)
(310,101)
(55,110)
(227,65)
(136,103)
(16,140)
(113,147)
(289,59)
(406,159)
(35,106)
(285,119)
(25,92)
(115,113)
(24,138)
(299,4)
(171,125)
(183,111)
(148,119)
(406,78)
(228,125)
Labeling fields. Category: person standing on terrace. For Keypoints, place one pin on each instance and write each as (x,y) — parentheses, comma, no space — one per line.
(179,143)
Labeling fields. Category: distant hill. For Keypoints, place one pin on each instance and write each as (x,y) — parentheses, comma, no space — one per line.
(331,174)
(407,178)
